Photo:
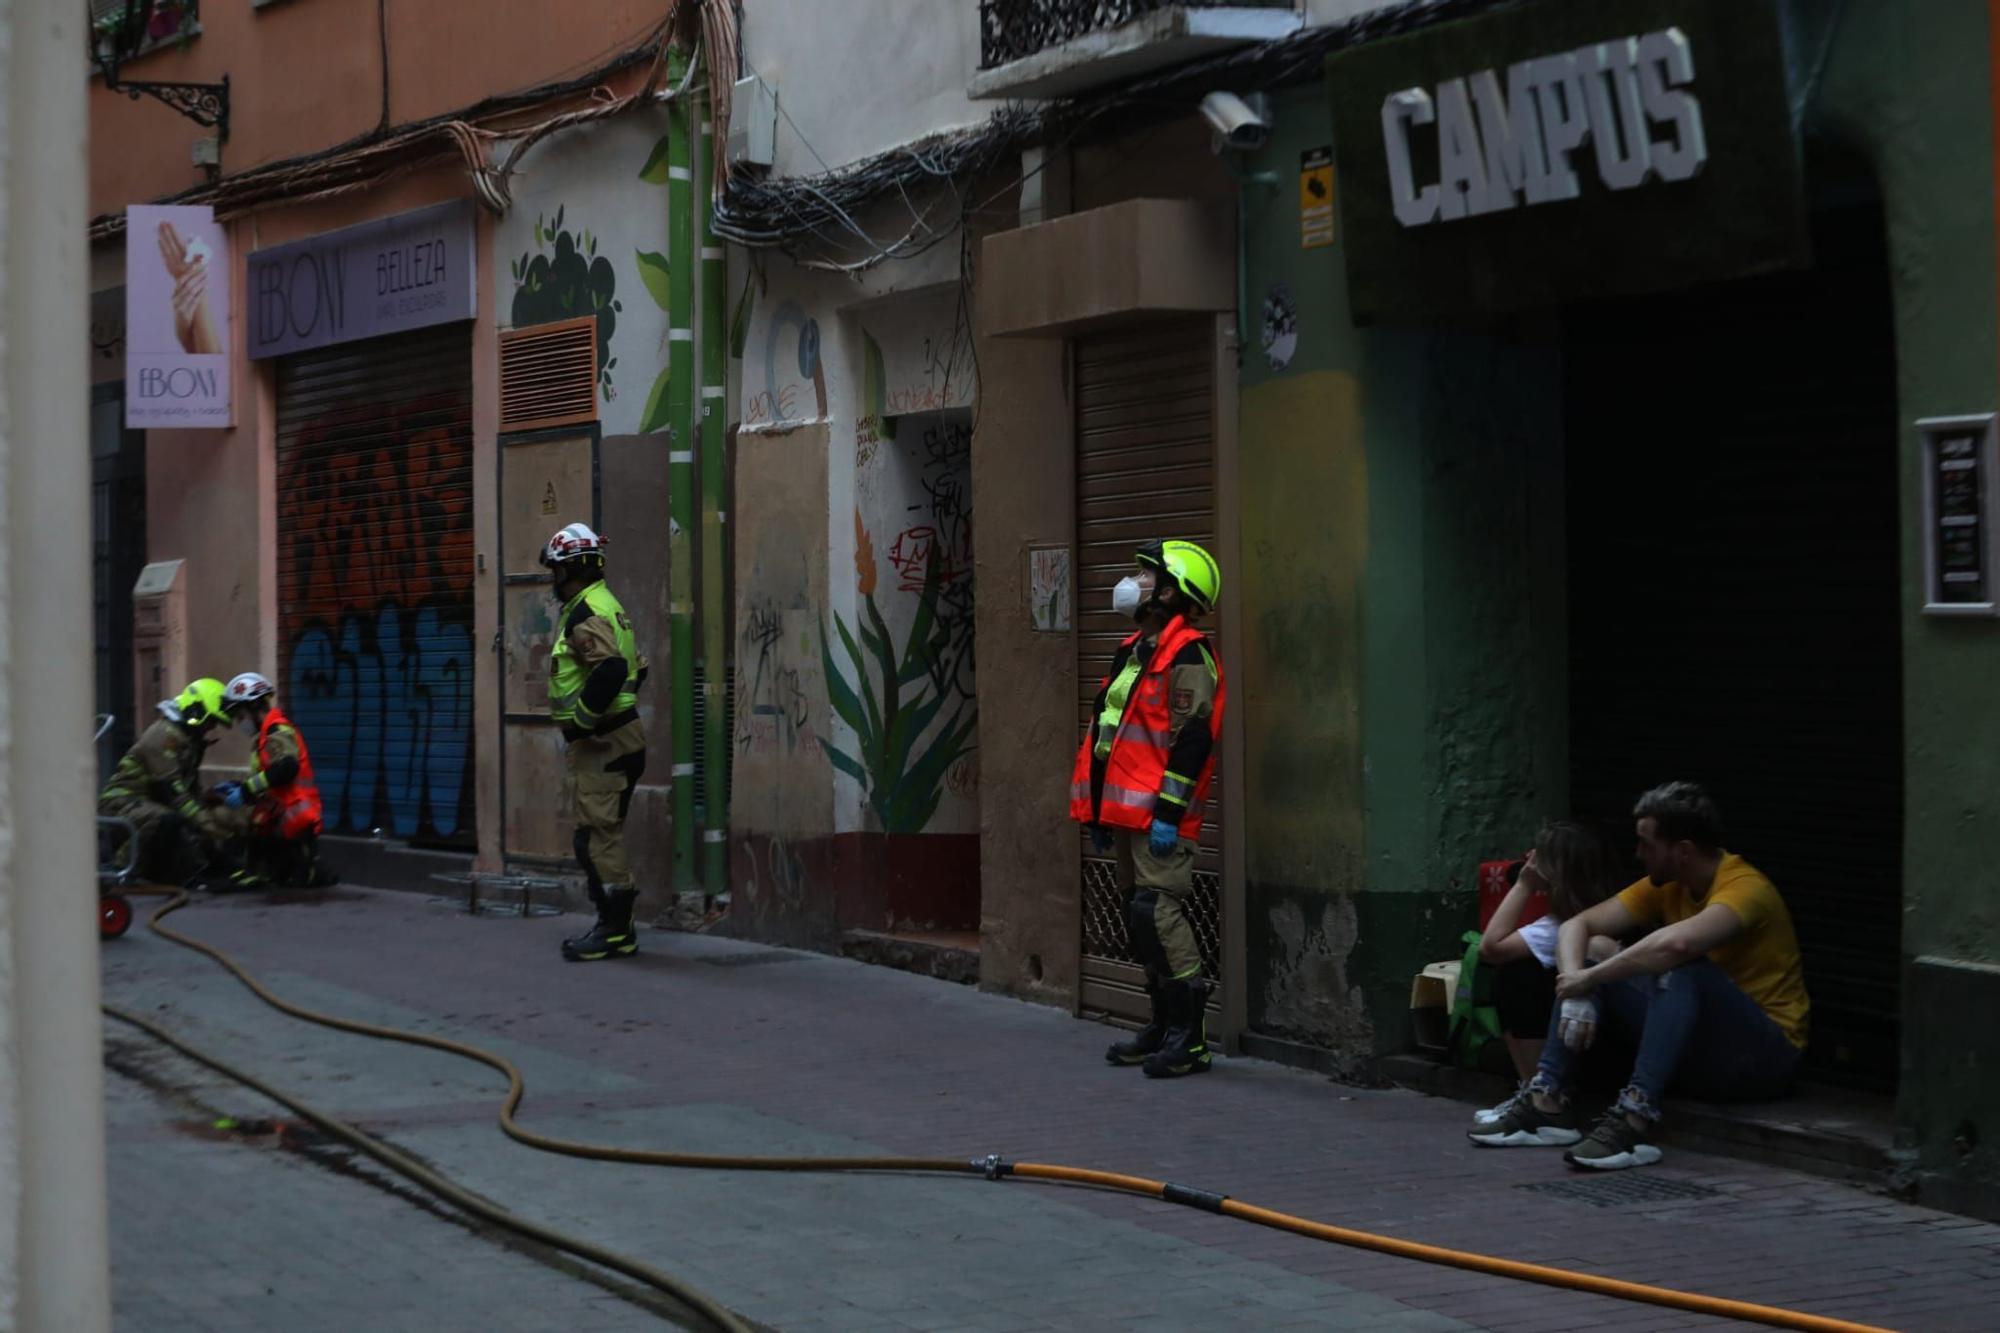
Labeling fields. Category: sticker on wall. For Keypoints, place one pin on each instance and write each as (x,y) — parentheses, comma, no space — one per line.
(1048,588)
(1316,198)
(549,499)
(1280,336)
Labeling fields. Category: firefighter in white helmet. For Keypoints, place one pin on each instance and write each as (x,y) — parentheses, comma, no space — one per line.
(595,670)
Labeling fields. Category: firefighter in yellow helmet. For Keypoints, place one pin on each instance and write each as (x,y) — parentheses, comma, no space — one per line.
(1141,783)
(157,785)
(595,670)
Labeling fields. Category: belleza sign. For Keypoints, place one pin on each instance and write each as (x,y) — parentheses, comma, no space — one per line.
(1627,98)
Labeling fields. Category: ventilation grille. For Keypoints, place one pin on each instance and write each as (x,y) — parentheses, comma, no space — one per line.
(548,375)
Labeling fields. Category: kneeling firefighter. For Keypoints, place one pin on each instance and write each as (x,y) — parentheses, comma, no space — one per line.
(157,786)
(595,670)
(1141,782)
(280,816)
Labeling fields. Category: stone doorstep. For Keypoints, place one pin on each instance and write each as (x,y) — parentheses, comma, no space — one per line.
(941,955)
(1822,1131)
(379,863)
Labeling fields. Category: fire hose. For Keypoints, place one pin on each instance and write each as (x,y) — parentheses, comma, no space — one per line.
(990,1167)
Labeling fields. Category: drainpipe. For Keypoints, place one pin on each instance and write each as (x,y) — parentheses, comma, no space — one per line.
(714,567)
(680,468)
(1244,180)
(54,1260)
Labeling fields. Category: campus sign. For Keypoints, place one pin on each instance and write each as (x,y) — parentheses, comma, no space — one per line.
(1561,150)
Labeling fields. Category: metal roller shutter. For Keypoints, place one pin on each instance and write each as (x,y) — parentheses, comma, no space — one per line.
(1145,468)
(1734,601)
(375,576)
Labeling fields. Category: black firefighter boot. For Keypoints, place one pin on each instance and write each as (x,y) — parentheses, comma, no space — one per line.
(596,892)
(1134,1049)
(613,935)
(1186,1048)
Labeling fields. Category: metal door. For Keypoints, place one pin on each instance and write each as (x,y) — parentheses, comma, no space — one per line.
(375,576)
(1737,618)
(118,551)
(547,479)
(1145,469)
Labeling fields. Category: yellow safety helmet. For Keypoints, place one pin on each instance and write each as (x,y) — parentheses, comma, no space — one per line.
(202,702)
(1191,567)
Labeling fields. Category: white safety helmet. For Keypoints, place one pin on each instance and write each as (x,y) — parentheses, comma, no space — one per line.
(574,542)
(247,688)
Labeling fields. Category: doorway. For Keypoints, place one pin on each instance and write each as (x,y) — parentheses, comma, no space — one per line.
(1734,596)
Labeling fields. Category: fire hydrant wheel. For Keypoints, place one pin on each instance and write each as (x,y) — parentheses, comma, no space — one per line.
(114,916)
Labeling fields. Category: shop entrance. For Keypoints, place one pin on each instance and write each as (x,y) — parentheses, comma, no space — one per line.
(1734,611)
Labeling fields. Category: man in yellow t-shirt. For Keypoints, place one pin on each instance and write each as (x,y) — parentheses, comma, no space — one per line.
(1714,996)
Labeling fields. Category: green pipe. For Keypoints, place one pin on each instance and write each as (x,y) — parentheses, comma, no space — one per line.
(714,560)
(680,467)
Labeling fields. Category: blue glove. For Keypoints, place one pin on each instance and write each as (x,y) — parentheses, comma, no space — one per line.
(1100,839)
(231,794)
(1163,838)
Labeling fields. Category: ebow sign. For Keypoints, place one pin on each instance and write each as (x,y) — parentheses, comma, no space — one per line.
(1559,150)
(404,272)
(1616,95)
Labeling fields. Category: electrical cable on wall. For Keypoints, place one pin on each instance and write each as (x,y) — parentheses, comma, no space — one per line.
(802,216)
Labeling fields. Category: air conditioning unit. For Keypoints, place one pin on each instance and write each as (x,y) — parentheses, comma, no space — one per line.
(753,123)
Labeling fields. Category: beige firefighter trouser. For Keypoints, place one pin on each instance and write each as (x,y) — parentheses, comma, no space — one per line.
(597,794)
(1155,888)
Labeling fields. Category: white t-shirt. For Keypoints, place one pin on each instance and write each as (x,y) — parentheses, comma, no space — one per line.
(1540,935)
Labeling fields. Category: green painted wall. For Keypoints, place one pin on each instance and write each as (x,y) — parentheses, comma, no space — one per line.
(1399,496)
(1912,86)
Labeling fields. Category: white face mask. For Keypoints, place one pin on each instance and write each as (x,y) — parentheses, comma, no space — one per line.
(1126,597)
(247,725)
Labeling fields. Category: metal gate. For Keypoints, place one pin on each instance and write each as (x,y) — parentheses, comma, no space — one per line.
(1734,600)
(118,552)
(1145,469)
(375,578)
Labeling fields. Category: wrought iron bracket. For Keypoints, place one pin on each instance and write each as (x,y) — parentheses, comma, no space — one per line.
(203,103)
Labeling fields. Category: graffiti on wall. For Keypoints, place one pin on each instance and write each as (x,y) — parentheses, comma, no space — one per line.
(584,238)
(376,595)
(909,730)
(564,277)
(936,552)
(775,714)
(782,399)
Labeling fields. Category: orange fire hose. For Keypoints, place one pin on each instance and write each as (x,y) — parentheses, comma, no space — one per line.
(994,1168)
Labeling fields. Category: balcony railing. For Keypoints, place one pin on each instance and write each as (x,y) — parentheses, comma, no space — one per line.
(1011,30)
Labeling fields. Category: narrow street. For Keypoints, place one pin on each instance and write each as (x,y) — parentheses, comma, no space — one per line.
(715,1044)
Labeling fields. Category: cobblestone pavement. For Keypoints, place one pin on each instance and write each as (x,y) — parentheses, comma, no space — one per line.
(714,1044)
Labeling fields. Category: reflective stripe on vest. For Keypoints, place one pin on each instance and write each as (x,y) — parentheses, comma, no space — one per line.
(1135,771)
(296,806)
(567,675)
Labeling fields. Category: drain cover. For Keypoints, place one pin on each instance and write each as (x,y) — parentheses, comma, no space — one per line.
(1623,1189)
(754,959)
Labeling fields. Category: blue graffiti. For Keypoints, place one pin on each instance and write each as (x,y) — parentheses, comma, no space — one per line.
(386,708)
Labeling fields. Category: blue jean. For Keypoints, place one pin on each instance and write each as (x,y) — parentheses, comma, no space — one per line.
(1696,1032)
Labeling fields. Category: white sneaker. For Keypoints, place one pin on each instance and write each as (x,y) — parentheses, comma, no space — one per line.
(1493,1115)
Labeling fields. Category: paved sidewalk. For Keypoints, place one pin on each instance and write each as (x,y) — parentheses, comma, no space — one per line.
(714,1044)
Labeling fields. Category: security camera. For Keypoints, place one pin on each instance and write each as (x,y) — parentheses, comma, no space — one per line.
(1239,123)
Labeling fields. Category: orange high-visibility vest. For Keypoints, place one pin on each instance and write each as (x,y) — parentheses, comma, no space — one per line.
(1136,770)
(293,811)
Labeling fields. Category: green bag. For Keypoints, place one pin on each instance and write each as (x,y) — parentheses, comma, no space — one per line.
(1475,1023)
